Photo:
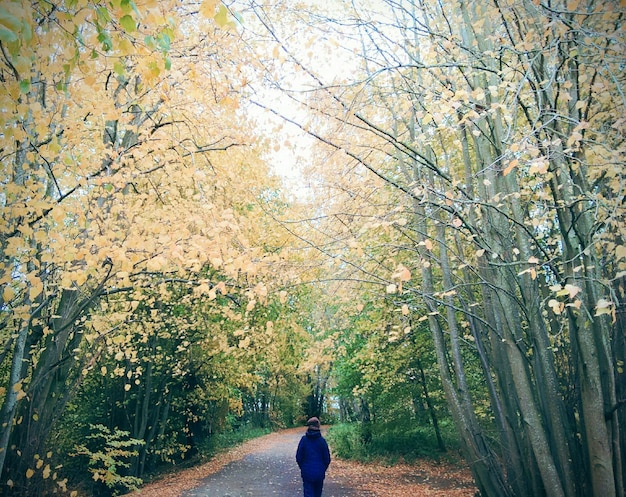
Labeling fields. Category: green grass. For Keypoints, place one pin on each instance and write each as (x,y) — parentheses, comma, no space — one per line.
(388,442)
(223,441)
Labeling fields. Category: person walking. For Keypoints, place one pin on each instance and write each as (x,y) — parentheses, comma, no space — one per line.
(313,458)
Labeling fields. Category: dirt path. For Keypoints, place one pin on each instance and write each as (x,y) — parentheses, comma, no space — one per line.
(269,471)
(266,467)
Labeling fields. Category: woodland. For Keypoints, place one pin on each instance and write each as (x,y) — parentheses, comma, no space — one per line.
(404,216)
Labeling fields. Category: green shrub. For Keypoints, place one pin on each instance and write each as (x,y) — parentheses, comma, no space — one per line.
(347,442)
(388,441)
(230,438)
(109,454)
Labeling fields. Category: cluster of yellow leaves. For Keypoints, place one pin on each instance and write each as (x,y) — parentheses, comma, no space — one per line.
(127,157)
(568,290)
(46,473)
(95,199)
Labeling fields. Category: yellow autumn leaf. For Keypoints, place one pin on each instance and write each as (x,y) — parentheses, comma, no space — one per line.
(221,18)
(207,8)
(29,473)
(221,286)
(282,296)
(402,274)
(36,289)
(202,289)
(556,306)
(620,252)
(46,471)
(405,310)
(538,166)
(574,138)
(8,293)
(572,290)
(261,291)
(401,221)
(512,165)
(603,306)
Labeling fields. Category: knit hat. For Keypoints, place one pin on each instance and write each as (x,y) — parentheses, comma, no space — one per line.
(313,423)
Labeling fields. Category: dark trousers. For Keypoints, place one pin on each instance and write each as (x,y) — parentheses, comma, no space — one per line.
(312,488)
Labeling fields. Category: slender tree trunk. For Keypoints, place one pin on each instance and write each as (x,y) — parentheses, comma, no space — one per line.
(431,408)
(14,389)
(483,462)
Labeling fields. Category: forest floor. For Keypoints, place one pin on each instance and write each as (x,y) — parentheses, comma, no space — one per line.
(265,467)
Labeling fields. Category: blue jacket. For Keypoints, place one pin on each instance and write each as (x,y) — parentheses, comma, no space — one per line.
(313,456)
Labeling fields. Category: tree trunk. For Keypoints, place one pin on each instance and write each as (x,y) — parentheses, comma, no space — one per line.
(431,408)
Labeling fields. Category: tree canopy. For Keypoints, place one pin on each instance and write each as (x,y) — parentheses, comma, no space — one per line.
(448,243)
